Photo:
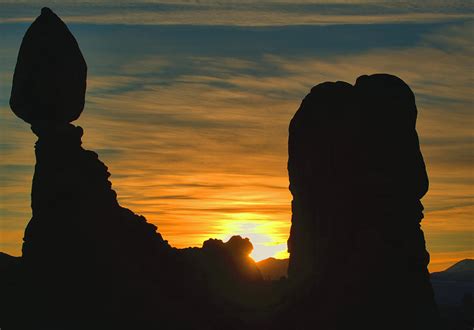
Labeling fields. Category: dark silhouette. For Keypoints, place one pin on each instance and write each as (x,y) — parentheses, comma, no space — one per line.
(273,269)
(462,270)
(453,289)
(357,252)
(49,83)
(358,257)
(86,258)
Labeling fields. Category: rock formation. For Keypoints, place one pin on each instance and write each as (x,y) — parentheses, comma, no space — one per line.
(357,252)
(232,279)
(50,75)
(273,269)
(232,258)
(85,258)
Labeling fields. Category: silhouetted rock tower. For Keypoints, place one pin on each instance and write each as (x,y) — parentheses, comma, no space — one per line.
(357,252)
(85,258)
(80,247)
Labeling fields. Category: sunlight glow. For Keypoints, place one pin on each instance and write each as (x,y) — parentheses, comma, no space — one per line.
(264,235)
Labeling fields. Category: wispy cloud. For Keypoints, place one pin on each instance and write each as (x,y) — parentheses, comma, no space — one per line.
(198,143)
(243,13)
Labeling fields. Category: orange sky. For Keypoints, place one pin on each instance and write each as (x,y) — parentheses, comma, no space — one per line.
(192,120)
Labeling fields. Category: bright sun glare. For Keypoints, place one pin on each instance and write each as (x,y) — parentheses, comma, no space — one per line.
(265,237)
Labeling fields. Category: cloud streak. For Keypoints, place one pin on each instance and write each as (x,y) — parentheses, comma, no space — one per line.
(198,143)
(246,13)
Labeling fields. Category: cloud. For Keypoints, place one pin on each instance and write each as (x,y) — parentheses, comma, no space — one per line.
(226,95)
(243,13)
(107,84)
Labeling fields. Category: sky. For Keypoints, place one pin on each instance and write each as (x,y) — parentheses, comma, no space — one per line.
(188,104)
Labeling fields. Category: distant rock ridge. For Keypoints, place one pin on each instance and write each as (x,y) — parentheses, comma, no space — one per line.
(357,176)
(465,265)
(273,269)
(462,270)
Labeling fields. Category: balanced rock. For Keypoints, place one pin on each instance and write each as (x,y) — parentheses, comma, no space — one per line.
(49,82)
(87,261)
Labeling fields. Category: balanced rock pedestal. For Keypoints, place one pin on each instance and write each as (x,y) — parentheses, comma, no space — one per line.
(86,256)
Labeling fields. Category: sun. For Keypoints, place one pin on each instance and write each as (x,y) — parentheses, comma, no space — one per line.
(265,235)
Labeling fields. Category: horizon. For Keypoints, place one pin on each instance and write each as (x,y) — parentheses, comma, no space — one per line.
(206,99)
